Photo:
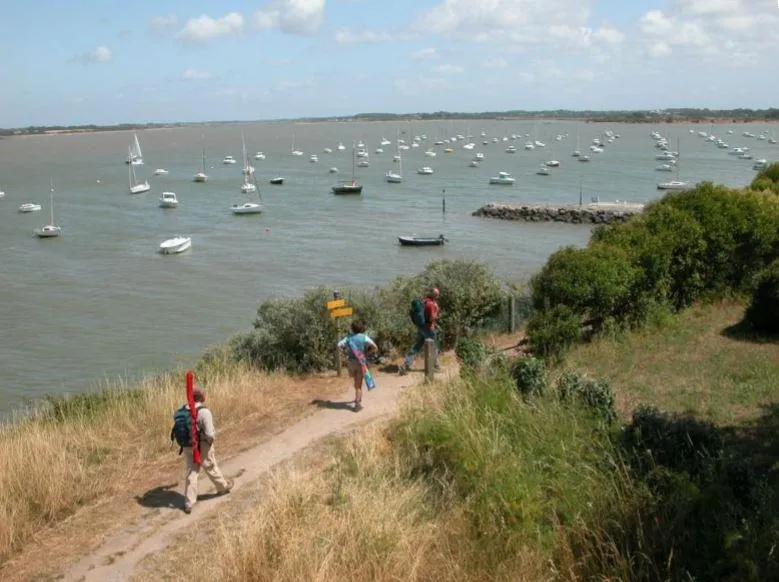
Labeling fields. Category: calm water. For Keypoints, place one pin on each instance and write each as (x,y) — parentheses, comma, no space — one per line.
(100,302)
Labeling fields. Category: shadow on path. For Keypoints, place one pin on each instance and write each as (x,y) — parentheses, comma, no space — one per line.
(162,496)
(332,404)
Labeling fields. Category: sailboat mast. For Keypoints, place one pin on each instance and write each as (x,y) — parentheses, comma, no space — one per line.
(51,203)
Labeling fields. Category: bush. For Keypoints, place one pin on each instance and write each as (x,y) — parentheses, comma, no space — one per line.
(767,179)
(470,352)
(594,394)
(530,376)
(552,331)
(763,311)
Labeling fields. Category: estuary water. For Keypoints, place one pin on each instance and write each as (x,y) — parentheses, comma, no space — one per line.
(100,303)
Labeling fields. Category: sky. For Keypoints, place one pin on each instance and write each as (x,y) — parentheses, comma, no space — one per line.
(105,61)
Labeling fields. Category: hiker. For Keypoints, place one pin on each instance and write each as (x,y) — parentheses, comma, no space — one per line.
(426,329)
(356,340)
(206,435)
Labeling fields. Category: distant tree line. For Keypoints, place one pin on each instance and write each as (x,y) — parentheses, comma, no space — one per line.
(690,115)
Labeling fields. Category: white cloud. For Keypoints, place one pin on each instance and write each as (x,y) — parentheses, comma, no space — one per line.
(448,70)
(526,77)
(608,35)
(345,36)
(421,85)
(163,21)
(100,55)
(660,49)
(584,75)
(204,28)
(498,63)
(424,54)
(302,17)
(195,75)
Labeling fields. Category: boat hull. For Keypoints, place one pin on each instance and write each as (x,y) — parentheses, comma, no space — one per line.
(277,181)
(247,208)
(48,231)
(421,241)
(175,245)
(140,188)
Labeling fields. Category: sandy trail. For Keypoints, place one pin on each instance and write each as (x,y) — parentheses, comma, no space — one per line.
(117,557)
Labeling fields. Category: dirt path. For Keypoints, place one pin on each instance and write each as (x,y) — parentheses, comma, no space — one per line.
(117,557)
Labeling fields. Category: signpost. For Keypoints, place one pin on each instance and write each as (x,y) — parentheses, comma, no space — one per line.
(338,309)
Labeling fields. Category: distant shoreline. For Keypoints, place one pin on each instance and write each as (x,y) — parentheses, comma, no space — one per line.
(665,117)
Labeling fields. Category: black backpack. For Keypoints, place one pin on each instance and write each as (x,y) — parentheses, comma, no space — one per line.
(182,423)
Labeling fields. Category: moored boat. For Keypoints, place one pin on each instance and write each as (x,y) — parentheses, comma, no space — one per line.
(175,245)
(422,241)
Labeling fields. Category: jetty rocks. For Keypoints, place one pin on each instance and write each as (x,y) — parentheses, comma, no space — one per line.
(593,213)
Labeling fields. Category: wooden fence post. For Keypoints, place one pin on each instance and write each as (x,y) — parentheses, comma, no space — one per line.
(429,360)
(512,314)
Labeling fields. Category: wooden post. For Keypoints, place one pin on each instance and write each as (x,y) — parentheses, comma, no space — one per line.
(512,314)
(338,371)
(338,366)
(429,359)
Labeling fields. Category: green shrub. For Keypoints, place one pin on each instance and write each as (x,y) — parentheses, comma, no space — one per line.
(530,376)
(552,331)
(594,394)
(471,352)
(767,179)
(763,311)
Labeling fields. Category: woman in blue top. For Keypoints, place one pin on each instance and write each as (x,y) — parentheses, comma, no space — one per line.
(357,341)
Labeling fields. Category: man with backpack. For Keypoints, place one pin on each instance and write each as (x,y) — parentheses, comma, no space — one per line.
(424,313)
(182,423)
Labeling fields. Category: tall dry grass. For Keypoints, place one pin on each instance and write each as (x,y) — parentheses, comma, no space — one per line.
(75,451)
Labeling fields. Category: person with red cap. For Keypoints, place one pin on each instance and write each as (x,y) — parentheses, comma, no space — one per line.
(425,331)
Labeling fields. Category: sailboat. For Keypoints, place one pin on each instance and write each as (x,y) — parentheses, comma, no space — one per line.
(135,156)
(396,177)
(248,185)
(135,186)
(676,184)
(201,176)
(293,151)
(349,186)
(49,230)
(249,207)
(247,167)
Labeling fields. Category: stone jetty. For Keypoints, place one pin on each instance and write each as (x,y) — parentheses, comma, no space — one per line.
(593,213)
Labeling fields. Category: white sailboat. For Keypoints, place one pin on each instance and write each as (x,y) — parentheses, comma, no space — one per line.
(392,176)
(676,184)
(294,151)
(249,206)
(49,230)
(135,186)
(135,155)
(201,176)
(248,169)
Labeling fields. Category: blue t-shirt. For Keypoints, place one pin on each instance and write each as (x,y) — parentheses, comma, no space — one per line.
(360,341)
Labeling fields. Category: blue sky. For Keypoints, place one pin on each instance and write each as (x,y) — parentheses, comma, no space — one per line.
(105,61)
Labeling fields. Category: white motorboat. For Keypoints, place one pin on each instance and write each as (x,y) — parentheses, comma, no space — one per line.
(576,153)
(2,194)
(169,200)
(474,164)
(248,188)
(503,178)
(137,187)
(665,156)
(543,171)
(511,149)
(425,170)
(478,157)
(333,170)
(584,158)
(229,160)
(552,164)
(664,168)
(49,230)
(160,172)
(328,150)
(247,208)
(341,147)
(760,164)
(745,156)
(30,207)
(175,245)
(313,158)
(674,185)
(379,150)
(259,156)
(530,146)
(430,154)
(363,163)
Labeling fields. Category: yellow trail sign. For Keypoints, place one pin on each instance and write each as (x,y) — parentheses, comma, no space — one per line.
(336,303)
(341,312)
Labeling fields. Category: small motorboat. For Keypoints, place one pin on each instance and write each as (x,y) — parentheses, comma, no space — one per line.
(160,172)
(229,160)
(169,200)
(48,231)
(277,180)
(425,170)
(503,178)
(422,241)
(248,188)
(2,194)
(247,208)
(30,207)
(333,170)
(543,171)
(259,156)
(175,245)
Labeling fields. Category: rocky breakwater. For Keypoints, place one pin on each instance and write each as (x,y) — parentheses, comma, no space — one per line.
(593,213)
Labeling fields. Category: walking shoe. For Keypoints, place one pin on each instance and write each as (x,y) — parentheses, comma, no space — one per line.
(402,370)
(187,509)
(230,483)
(357,407)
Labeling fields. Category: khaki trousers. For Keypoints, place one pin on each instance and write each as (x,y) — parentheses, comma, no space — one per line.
(208,463)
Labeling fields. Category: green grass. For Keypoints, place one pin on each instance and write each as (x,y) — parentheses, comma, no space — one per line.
(696,362)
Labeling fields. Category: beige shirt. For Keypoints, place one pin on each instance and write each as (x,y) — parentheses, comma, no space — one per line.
(205,422)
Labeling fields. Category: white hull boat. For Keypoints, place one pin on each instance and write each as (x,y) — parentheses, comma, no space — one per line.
(425,171)
(175,245)
(247,208)
(674,185)
(259,156)
(160,172)
(135,186)
(248,188)
(201,176)
(48,231)
(30,207)
(543,171)
(169,200)
(229,160)
(502,179)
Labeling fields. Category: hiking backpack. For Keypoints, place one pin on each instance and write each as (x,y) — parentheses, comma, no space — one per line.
(417,312)
(182,424)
